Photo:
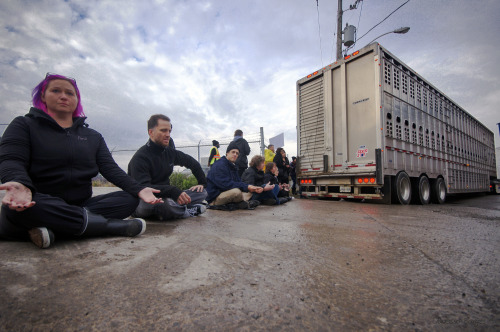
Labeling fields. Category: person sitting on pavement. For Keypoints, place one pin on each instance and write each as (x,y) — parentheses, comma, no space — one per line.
(269,154)
(271,177)
(214,153)
(224,186)
(254,175)
(47,161)
(153,164)
(283,165)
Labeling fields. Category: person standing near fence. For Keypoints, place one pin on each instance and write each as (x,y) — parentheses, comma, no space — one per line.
(153,164)
(214,153)
(293,174)
(269,154)
(244,148)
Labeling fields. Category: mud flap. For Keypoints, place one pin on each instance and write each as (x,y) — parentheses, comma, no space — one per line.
(387,190)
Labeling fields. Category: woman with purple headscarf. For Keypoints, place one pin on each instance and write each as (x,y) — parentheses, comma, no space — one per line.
(47,161)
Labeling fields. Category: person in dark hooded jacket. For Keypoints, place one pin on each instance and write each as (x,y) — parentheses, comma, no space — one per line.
(47,161)
(224,185)
(244,148)
(283,165)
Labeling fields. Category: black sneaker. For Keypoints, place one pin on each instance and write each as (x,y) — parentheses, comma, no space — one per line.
(137,226)
(269,201)
(126,227)
(253,203)
(243,205)
(42,237)
(196,209)
(248,205)
(283,200)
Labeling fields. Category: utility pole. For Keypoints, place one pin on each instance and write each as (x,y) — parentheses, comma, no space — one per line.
(349,32)
(262,145)
(339,30)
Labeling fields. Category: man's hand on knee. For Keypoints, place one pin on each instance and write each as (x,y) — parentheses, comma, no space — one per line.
(199,188)
(183,199)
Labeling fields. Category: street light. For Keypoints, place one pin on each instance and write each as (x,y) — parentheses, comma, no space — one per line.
(400,31)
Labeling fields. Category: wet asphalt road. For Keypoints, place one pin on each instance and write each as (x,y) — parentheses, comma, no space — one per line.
(309,265)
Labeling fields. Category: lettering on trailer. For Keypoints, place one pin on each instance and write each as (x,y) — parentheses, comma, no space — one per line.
(361,101)
(362,151)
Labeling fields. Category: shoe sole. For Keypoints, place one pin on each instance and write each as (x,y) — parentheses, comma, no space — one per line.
(40,237)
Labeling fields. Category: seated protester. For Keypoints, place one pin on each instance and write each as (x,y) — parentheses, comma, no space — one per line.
(283,165)
(255,176)
(47,161)
(224,186)
(271,177)
(152,166)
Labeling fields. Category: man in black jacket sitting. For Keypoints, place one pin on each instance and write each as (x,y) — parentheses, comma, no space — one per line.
(153,164)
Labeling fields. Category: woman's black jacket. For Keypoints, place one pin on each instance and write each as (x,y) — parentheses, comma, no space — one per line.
(61,162)
(253,176)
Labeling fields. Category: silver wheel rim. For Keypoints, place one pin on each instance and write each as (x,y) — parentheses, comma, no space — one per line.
(425,190)
(405,188)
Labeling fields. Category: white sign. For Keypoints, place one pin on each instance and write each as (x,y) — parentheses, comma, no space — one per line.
(278,141)
(362,151)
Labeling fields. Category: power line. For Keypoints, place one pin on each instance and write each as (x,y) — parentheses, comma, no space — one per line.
(383,19)
(360,11)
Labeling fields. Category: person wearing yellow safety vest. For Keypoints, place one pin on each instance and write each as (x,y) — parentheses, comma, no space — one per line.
(269,154)
(214,153)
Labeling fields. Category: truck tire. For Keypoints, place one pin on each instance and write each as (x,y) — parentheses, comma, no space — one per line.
(422,190)
(402,189)
(438,191)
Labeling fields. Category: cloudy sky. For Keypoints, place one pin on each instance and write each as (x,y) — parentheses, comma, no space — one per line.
(217,65)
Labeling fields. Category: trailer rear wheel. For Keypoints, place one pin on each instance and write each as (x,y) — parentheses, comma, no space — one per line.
(422,190)
(438,191)
(402,189)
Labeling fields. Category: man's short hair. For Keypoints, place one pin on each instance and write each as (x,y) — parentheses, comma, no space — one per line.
(238,132)
(269,146)
(256,160)
(153,120)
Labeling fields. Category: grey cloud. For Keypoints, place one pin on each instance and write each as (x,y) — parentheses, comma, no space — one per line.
(217,65)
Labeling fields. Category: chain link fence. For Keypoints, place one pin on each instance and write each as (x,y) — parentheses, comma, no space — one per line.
(199,150)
